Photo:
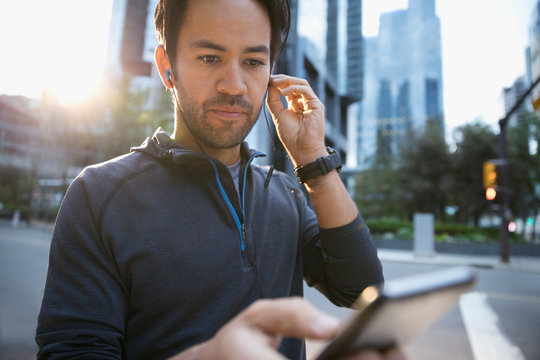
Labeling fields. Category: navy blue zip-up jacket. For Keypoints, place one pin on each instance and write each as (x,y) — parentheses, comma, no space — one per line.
(154,251)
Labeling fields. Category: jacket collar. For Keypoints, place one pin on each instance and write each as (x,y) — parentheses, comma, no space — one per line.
(163,146)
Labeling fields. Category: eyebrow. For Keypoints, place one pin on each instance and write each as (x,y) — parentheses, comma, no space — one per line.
(206,44)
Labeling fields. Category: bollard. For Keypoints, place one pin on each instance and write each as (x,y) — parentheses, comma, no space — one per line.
(16,218)
(424,234)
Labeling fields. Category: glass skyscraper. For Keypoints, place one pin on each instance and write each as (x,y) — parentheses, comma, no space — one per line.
(402,80)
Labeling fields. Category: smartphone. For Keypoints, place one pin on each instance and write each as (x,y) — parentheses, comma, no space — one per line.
(398,311)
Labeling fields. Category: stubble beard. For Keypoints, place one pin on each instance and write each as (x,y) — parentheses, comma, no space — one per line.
(195,117)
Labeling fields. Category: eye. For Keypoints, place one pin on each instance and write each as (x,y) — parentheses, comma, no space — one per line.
(208,59)
(255,63)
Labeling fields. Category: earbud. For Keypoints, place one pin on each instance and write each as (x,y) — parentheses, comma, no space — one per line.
(168,76)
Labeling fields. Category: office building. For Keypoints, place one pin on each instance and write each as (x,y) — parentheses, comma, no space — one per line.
(403,81)
(30,151)
(131,46)
(131,35)
(533,51)
(511,95)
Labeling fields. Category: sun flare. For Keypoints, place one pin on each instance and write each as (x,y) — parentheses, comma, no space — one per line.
(62,55)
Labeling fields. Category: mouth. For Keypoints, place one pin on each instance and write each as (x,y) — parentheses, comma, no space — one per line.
(229,112)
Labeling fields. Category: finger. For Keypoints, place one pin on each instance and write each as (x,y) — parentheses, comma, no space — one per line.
(273,100)
(372,354)
(253,350)
(286,80)
(291,317)
(295,105)
(394,354)
(245,342)
(298,90)
(366,355)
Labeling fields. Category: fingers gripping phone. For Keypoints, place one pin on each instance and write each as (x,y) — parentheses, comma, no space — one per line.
(394,314)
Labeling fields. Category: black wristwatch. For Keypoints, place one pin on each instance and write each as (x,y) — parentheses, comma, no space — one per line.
(321,166)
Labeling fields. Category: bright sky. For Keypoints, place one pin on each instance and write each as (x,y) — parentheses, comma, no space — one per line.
(60,46)
(53,45)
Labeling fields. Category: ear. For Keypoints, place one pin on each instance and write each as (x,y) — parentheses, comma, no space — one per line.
(162,63)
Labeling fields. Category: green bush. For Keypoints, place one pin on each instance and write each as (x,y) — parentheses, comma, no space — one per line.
(444,232)
(383,225)
(443,237)
(405,233)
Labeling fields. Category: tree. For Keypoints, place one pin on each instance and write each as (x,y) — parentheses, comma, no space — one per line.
(129,117)
(377,189)
(424,172)
(475,143)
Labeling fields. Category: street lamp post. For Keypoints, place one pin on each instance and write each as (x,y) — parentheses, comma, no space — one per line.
(504,191)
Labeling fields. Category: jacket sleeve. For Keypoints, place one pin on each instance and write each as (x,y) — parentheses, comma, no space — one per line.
(84,307)
(340,262)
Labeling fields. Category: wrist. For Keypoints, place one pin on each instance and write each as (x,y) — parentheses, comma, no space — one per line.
(321,182)
(302,158)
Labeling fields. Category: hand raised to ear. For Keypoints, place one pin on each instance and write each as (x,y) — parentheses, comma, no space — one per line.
(300,126)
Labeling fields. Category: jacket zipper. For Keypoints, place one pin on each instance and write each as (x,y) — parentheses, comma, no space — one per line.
(240,225)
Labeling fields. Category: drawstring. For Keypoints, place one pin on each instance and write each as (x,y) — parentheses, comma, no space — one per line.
(268,176)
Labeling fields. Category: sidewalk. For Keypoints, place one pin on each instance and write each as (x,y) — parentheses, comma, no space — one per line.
(522,263)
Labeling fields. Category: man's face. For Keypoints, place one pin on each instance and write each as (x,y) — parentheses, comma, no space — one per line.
(222,69)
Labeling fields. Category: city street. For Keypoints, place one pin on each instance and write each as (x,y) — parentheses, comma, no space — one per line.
(23,266)
(507,298)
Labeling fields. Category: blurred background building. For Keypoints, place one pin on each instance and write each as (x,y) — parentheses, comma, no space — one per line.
(512,94)
(127,37)
(533,51)
(130,50)
(403,80)
(39,154)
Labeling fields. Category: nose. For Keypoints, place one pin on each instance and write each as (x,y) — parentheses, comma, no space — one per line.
(232,81)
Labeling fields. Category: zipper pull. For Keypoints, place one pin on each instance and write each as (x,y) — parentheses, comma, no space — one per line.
(243,236)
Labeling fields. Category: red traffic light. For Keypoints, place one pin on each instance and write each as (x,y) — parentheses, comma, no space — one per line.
(491,193)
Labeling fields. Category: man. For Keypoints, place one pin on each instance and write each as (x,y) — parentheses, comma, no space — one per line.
(155,251)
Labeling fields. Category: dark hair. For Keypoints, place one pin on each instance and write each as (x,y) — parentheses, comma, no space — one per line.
(169,17)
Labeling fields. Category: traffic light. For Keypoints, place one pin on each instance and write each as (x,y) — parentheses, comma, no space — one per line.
(536,102)
(491,193)
(490,174)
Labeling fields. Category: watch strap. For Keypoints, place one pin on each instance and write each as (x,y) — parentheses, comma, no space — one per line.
(320,166)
